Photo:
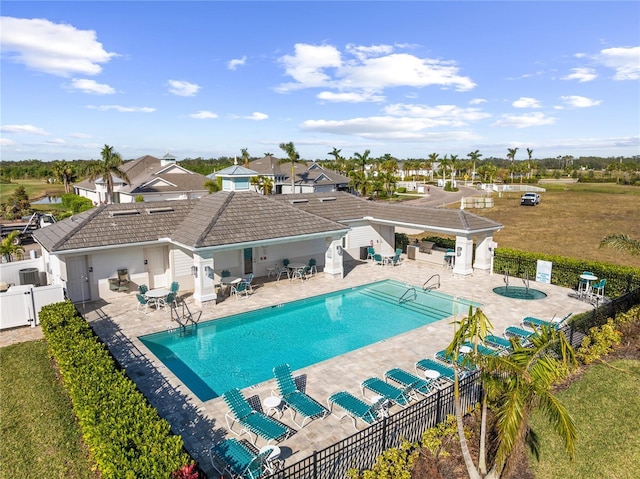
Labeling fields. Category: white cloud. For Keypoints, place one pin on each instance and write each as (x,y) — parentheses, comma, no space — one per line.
(524,121)
(235,63)
(122,109)
(579,101)
(91,86)
(203,115)
(349,97)
(526,102)
(6,142)
(55,48)
(477,101)
(183,88)
(366,69)
(56,141)
(581,74)
(624,60)
(80,136)
(29,129)
(257,116)
(445,114)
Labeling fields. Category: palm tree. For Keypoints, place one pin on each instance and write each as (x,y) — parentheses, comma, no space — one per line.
(363,158)
(444,166)
(529,154)
(523,382)
(433,158)
(474,156)
(107,169)
(292,156)
(267,185)
(359,182)
(511,155)
(10,245)
(63,171)
(454,166)
(336,154)
(245,157)
(212,186)
(621,242)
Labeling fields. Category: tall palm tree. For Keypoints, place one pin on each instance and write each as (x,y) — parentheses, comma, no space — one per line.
(523,382)
(336,154)
(433,158)
(529,154)
(245,157)
(444,166)
(63,171)
(292,156)
(511,155)
(362,158)
(474,156)
(454,166)
(621,242)
(359,182)
(107,169)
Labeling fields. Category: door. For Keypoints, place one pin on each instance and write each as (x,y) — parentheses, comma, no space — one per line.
(156,267)
(248,260)
(78,279)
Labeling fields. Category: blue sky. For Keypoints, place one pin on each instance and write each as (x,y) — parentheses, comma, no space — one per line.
(209,78)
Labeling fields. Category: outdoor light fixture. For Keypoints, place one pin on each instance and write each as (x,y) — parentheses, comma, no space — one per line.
(194,271)
(208,270)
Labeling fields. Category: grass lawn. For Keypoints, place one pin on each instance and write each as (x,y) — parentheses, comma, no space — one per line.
(40,436)
(35,189)
(606,407)
(570,220)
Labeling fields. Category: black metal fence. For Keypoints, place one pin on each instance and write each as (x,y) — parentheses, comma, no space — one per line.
(360,450)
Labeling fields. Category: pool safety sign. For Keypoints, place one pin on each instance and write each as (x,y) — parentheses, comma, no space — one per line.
(543,272)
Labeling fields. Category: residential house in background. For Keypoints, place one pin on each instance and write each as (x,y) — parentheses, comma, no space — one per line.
(154,179)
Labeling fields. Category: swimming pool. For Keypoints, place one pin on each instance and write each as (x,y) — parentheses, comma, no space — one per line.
(241,350)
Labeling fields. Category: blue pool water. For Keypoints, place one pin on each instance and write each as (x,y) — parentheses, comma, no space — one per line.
(241,350)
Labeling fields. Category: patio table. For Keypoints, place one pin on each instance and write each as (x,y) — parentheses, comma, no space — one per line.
(228,281)
(588,278)
(155,295)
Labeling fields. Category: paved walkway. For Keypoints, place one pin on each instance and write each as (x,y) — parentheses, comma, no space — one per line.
(202,423)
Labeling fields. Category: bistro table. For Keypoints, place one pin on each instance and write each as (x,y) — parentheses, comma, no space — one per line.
(587,288)
(450,259)
(387,258)
(155,295)
(228,281)
(273,462)
(293,267)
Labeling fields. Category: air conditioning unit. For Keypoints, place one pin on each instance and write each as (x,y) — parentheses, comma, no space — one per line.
(29,276)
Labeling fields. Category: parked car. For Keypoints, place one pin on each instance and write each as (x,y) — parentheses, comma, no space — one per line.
(530,199)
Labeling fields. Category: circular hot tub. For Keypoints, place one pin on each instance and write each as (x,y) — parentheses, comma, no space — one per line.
(519,292)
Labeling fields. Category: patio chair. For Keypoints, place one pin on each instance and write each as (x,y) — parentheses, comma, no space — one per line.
(297,401)
(283,271)
(175,287)
(371,251)
(143,288)
(142,301)
(401,397)
(168,300)
(427,364)
(556,323)
(301,273)
(378,259)
(498,342)
(518,332)
(463,360)
(225,273)
(405,378)
(396,260)
(248,280)
(236,459)
(252,421)
(240,289)
(313,267)
(355,408)
(598,289)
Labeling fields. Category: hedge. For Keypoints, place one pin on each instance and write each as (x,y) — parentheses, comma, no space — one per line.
(124,433)
(566,271)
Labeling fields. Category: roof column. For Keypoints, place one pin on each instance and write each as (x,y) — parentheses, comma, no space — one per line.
(464,255)
(484,254)
(203,279)
(333,258)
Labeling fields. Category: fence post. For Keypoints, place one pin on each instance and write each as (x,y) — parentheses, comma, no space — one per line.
(384,432)
(438,406)
(315,464)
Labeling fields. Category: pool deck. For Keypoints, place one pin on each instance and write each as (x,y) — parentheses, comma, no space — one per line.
(203,423)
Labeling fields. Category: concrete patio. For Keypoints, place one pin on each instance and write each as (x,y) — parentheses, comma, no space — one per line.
(202,423)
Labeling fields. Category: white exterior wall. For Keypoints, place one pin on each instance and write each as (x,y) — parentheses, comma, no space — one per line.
(106,264)
(381,237)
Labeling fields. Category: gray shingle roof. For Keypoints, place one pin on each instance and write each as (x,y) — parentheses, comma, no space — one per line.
(219,219)
(344,207)
(308,172)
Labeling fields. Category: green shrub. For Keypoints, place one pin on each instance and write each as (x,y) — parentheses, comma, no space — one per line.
(395,463)
(402,189)
(599,342)
(76,203)
(124,433)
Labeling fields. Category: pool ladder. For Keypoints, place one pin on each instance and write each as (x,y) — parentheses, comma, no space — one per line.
(427,286)
(410,290)
(184,318)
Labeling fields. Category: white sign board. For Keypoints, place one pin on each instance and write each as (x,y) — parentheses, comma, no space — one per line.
(543,272)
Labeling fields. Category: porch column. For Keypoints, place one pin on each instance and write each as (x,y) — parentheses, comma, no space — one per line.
(464,255)
(483,253)
(203,282)
(333,259)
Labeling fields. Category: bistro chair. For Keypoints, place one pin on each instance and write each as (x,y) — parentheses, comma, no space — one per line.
(313,267)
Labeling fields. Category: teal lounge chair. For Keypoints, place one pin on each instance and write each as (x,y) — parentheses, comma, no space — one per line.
(446,372)
(463,360)
(405,379)
(401,397)
(234,458)
(251,420)
(556,323)
(517,332)
(355,408)
(297,401)
(498,342)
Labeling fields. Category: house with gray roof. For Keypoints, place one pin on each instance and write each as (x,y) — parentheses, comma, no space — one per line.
(309,176)
(193,241)
(154,179)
